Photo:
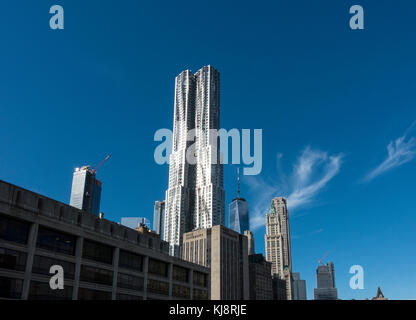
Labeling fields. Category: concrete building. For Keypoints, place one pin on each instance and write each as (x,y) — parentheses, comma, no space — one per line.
(277,242)
(325,280)
(101,259)
(135,222)
(299,287)
(195,197)
(159,218)
(86,190)
(250,240)
(278,288)
(260,278)
(224,251)
(238,219)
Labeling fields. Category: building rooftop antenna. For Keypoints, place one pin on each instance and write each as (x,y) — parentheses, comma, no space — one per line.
(238,182)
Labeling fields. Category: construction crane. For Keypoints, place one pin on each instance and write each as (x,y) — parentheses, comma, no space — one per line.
(322,259)
(102,162)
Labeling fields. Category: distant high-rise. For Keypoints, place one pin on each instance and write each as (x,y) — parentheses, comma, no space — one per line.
(277,242)
(195,197)
(250,240)
(224,251)
(299,287)
(86,190)
(159,217)
(135,222)
(325,280)
(239,212)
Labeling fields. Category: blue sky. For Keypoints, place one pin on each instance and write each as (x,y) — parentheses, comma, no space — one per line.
(329,100)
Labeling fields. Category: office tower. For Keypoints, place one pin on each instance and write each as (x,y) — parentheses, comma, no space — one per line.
(260,278)
(239,212)
(250,240)
(86,190)
(135,222)
(299,287)
(159,217)
(277,242)
(279,288)
(224,251)
(325,279)
(195,197)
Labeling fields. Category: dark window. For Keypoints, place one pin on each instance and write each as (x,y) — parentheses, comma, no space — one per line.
(10,288)
(88,294)
(200,279)
(131,261)
(181,291)
(180,274)
(130,282)
(157,267)
(96,275)
(42,265)
(13,230)
(56,241)
(199,294)
(43,291)
(12,260)
(122,296)
(97,252)
(159,287)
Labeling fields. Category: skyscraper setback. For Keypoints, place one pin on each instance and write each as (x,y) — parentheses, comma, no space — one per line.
(277,242)
(195,197)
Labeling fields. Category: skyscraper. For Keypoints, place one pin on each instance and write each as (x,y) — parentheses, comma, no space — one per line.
(86,190)
(299,287)
(250,240)
(195,197)
(239,212)
(159,217)
(325,280)
(277,242)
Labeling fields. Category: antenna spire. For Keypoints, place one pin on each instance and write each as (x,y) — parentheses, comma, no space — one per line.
(238,182)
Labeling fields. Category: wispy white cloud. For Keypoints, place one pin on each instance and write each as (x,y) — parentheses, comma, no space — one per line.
(399,152)
(311,173)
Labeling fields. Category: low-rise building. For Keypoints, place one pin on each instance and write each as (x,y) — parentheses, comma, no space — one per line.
(260,278)
(100,259)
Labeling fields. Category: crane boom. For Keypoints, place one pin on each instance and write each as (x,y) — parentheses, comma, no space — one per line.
(102,162)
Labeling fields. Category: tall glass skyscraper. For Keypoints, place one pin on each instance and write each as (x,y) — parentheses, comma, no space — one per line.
(238,213)
(86,190)
(195,197)
(159,217)
(325,281)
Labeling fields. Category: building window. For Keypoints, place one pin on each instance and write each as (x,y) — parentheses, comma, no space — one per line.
(181,291)
(42,265)
(88,294)
(97,252)
(56,241)
(180,274)
(157,267)
(122,296)
(199,294)
(96,275)
(12,260)
(43,291)
(13,230)
(130,282)
(130,260)
(10,288)
(200,279)
(159,287)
